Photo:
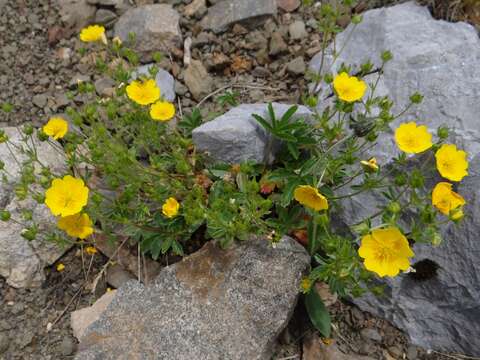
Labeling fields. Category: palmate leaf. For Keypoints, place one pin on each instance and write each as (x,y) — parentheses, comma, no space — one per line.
(318,313)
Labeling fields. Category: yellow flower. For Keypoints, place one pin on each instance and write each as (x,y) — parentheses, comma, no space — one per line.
(413,139)
(56,127)
(60,267)
(456,214)
(66,196)
(306,285)
(310,197)
(386,251)
(170,207)
(445,199)
(77,226)
(93,33)
(349,88)
(143,93)
(452,164)
(162,111)
(370,165)
(90,250)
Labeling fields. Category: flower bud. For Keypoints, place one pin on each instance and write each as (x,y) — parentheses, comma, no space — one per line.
(29,234)
(417,180)
(400,180)
(456,214)
(42,136)
(2,165)
(3,137)
(436,239)
(416,98)
(361,228)
(394,207)
(28,129)
(442,132)
(357,19)
(5,215)
(386,56)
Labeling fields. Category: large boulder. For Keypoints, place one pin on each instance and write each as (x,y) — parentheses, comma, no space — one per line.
(225,13)
(156,28)
(441,60)
(76,14)
(215,304)
(22,261)
(236,136)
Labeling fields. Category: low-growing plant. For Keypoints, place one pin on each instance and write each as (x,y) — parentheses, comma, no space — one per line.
(130,169)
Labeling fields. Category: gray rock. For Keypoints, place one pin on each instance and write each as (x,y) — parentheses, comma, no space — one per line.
(105,17)
(76,13)
(197,79)
(297,66)
(277,44)
(236,136)
(297,30)
(164,81)
(215,304)
(197,8)
(4,340)
(371,334)
(67,346)
(440,60)
(117,276)
(22,261)
(40,100)
(105,87)
(228,12)
(156,28)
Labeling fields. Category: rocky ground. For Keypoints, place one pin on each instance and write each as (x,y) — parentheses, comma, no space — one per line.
(39,62)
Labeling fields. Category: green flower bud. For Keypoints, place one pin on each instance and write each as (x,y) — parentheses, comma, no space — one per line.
(328,78)
(3,137)
(5,215)
(357,19)
(28,129)
(39,198)
(417,180)
(27,214)
(2,165)
(29,234)
(42,136)
(361,228)
(311,101)
(394,207)
(416,98)
(21,192)
(436,239)
(386,56)
(442,132)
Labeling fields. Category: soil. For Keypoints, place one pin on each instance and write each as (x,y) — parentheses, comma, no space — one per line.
(38,61)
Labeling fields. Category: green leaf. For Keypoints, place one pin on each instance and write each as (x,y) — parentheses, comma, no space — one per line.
(288,114)
(271,113)
(318,313)
(262,122)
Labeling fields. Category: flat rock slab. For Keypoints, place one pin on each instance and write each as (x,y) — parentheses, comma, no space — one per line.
(236,136)
(228,12)
(215,304)
(156,28)
(441,60)
(22,261)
